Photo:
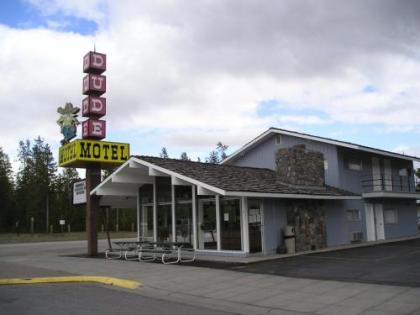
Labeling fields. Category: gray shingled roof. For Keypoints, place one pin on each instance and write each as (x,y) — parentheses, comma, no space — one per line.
(237,178)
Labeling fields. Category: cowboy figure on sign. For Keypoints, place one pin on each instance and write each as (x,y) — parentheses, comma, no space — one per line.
(68,121)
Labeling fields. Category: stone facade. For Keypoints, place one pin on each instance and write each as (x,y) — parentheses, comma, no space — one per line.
(300,167)
(308,218)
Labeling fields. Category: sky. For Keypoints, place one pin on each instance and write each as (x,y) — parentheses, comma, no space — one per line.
(187,74)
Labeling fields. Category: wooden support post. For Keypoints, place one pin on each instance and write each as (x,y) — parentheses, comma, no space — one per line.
(155,235)
(140,218)
(245,224)
(218,227)
(194,215)
(173,213)
(93,178)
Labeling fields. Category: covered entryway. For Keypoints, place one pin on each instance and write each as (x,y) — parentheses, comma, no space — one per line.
(216,209)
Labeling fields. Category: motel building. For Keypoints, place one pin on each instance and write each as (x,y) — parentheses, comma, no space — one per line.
(331,192)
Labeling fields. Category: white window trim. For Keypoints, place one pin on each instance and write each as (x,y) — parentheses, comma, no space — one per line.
(351,165)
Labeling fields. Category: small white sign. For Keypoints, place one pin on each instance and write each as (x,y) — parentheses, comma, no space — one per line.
(79,192)
(62,222)
(226,216)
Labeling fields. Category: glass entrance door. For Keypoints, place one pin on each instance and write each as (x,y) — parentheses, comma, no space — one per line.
(255,226)
(207,235)
(230,225)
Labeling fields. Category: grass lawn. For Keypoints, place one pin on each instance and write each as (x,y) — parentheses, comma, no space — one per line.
(7,238)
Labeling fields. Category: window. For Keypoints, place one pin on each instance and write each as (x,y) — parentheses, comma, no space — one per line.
(230,224)
(325,164)
(353,215)
(278,139)
(354,164)
(391,216)
(207,226)
(403,172)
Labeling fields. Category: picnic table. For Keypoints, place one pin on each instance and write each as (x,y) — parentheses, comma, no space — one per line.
(122,248)
(167,252)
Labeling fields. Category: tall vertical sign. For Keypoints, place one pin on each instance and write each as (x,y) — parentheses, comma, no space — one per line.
(93,107)
(90,152)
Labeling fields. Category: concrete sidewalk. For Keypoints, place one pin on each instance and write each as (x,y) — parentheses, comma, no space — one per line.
(230,291)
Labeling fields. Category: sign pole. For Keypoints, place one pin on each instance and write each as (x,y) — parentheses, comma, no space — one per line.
(90,152)
(93,178)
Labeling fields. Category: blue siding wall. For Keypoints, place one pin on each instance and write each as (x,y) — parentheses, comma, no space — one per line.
(263,155)
(351,180)
(275,220)
(339,229)
(407,219)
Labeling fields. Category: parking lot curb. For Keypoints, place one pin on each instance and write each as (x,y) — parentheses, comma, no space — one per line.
(123,283)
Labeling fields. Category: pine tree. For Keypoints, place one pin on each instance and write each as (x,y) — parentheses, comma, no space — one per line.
(35,183)
(184,156)
(24,183)
(213,157)
(164,153)
(221,149)
(7,215)
(73,215)
(218,155)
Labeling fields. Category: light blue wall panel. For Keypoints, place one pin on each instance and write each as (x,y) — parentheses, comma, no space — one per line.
(407,219)
(263,155)
(275,220)
(339,229)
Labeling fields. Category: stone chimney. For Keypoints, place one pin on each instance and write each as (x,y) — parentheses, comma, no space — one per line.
(300,167)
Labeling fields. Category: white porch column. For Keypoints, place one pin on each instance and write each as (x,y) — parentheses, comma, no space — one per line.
(245,224)
(194,215)
(173,214)
(138,215)
(154,210)
(219,244)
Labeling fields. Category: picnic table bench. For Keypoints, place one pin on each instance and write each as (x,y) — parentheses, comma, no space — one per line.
(167,252)
(123,248)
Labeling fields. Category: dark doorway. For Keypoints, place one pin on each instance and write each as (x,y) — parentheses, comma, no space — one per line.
(254,221)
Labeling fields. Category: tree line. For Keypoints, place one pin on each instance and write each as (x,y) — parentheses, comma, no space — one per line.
(215,156)
(38,196)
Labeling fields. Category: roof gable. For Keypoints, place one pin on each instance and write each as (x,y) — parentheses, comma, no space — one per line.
(339,143)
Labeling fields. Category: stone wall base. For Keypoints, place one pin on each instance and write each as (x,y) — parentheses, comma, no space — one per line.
(308,218)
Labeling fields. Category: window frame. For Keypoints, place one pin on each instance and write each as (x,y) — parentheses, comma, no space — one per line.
(353,164)
(352,218)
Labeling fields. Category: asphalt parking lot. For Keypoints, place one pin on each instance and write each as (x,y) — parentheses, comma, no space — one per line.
(183,289)
(79,298)
(392,263)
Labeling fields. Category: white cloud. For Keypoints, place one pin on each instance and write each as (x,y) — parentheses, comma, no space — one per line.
(197,71)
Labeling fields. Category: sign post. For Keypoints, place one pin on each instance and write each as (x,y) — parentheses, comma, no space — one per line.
(93,178)
(90,152)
